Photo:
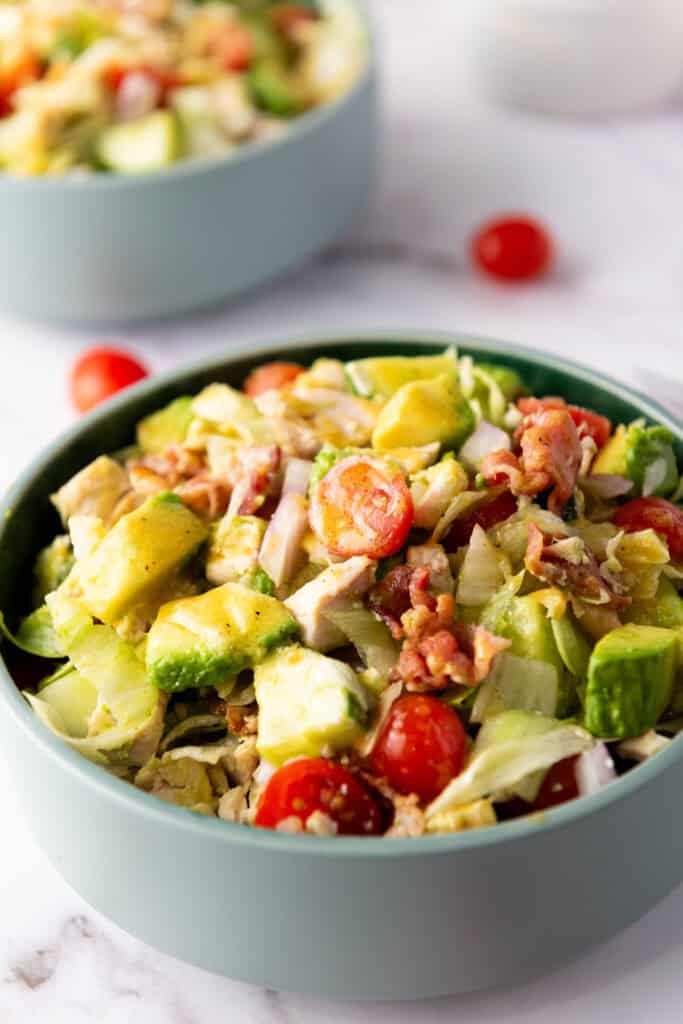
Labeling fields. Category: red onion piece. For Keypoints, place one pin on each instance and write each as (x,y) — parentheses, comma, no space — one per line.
(297,476)
(280,552)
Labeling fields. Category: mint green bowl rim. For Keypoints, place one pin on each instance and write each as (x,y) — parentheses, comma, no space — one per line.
(139,802)
(298,128)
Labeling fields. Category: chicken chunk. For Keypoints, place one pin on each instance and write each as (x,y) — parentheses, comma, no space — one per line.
(101,489)
(331,589)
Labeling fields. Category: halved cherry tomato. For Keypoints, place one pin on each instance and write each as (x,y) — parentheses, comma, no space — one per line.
(233,47)
(421,746)
(26,70)
(594,425)
(163,78)
(512,248)
(362,507)
(314,784)
(100,373)
(270,377)
(487,515)
(559,785)
(654,514)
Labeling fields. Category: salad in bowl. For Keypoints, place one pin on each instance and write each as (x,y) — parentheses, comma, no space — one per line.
(389,597)
(132,86)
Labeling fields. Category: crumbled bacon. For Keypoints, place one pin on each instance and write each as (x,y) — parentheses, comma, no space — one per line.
(205,495)
(550,456)
(242,721)
(581,577)
(390,598)
(438,652)
(256,469)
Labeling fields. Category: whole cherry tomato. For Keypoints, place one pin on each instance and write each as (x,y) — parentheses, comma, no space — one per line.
(362,507)
(487,515)
(314,784)
(270,377)
(512,248)
(99,373)
(588,423)
(421,746)
(655,514)
(558,786)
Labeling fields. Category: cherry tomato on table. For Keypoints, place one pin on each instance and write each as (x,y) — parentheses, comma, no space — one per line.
(594,425)
(512,248)
(656,514)
(421,746)
(99,373)
(270,377)
(362,507)
(310,784)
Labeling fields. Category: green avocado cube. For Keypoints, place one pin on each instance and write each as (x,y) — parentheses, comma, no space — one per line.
(664,609)
(644,455)
(204,640)
(630,680)
(137,557)
(423,412)
(382,376)
(168,426)
(273,89)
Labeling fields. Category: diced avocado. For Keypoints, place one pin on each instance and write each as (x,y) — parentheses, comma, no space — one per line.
(133,147)
(524,622)
(137,557)
(572,645)
(382,376)
(166,427)
(309,704)
(273,89)
(232,414)
(642,454)
(266,42)
(630,680)
(52,566)
(201,641)
(422,412)
(509,381)
(234,547)
(665,609)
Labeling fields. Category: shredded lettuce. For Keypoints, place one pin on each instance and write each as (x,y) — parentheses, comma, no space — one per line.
(36,634)
(372,640)
(522,684)
(510,747)
(483,571)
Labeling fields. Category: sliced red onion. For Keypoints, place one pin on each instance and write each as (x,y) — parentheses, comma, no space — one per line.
(606,486)
(594,769)
(297,476)
(139,94)
(486,438)
(280,552)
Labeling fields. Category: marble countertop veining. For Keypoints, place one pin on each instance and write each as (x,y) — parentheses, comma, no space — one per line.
(612,193)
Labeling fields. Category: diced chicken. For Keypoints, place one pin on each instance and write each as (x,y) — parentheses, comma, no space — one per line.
(331,589)
(233,804)
(434,558)
(98,490)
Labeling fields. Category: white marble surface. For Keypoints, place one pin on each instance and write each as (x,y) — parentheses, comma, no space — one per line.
(612,193)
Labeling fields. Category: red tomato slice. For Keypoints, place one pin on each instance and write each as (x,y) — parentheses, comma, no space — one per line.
(655,514)
(421,746)
(512,248)
(100,373)
(314,784)
(594,425)
(271,377)
(559,785)
(362,507)
(493,512)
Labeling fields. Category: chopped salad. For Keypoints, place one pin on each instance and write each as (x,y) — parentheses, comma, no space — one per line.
(136,85)
(392,597)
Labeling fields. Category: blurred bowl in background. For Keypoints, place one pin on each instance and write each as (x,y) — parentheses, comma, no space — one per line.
(582,57)
(118,248)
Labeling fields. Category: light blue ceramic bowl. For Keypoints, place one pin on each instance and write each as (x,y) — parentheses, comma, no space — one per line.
(114,248)
(339,917)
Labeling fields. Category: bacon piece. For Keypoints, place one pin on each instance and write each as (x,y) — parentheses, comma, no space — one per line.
(205,495)
(582,578)
(390,598)
(438,652)
(256,469)
(550,456)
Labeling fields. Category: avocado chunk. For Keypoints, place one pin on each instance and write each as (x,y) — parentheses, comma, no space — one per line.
(422,412)
(148,144)
(204,640)
(642,454)
(273,90)
(168,426)
(308,704)
(509,381)
(665,609)
(137,557)
(630,680)
(234,548)
(382,376)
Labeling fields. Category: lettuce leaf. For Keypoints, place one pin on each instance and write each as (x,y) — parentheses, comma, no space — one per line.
(36,634)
